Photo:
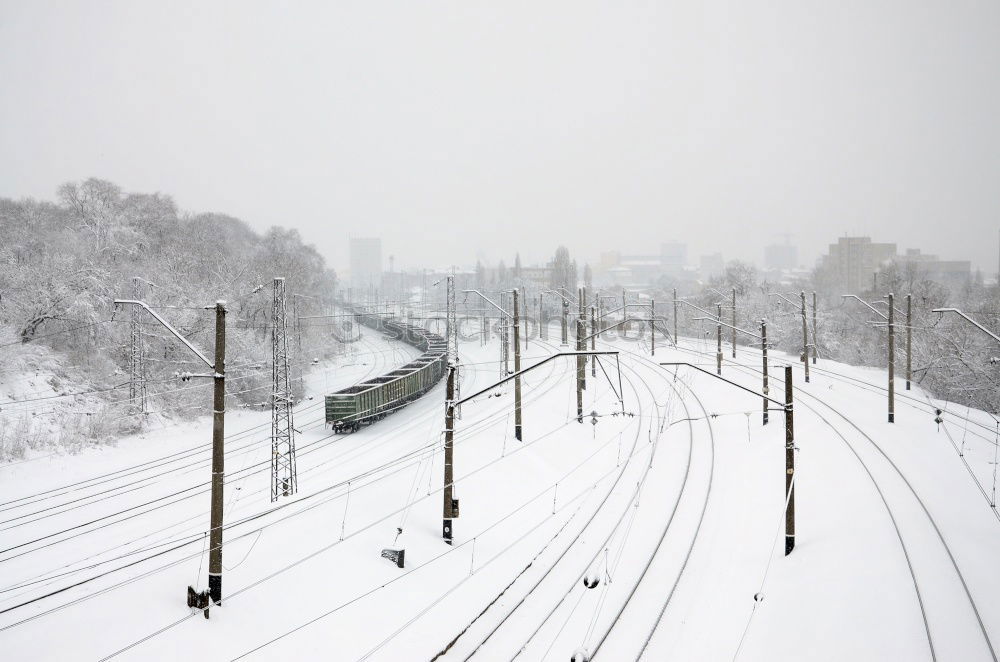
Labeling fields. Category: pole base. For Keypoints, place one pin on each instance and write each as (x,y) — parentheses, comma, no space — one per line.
(517,432)
(789,544)
(892,418)
(215,588)
(446,531)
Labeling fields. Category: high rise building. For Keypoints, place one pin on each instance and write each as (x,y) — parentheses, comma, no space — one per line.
(852,261)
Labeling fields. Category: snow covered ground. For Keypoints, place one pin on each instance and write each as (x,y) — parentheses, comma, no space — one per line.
(676,505)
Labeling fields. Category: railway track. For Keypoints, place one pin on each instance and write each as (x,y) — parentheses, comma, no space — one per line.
(372,441)
(934,650)
(471,650)
(693,538)
(635,376)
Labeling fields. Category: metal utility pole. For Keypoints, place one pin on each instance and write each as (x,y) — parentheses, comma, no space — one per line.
(218,456)
(565,322)
(652,327)
(543,326)
(789,465)
(892,361)
(786,406)
(677,339)
(718,350)
(137,369)
(451,324)
(517,369)
(284,479)
(815,340)
(581,373)
(581,300)
(452,328)
(450,503)
(909,339)
(218,374)
(593,341)
(805,337)
(734,323)
(524,318)
(504,337)
(763,344)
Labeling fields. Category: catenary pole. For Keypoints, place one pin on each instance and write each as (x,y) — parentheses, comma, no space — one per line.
(763,344)
(652,327)
(718,349)
(218,456)
(449,449)
(815,337)
(593,340)
(581,345)
(909,339)
(677,339)
(734,323)
(892,361)
(805,336)
(565,322)
(789,465)
(517,368)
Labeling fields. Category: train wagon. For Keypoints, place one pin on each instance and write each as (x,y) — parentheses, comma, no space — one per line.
(375,398)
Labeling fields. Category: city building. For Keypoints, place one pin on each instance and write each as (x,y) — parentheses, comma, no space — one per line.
(616,268)
(930,267)
(853,261)
(537,277)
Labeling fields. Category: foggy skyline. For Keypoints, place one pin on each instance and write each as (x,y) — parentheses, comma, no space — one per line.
(454,129)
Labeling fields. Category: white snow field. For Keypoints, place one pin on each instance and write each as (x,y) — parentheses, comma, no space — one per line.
(675,507)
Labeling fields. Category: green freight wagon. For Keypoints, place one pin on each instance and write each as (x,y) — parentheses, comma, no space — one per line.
(362,404)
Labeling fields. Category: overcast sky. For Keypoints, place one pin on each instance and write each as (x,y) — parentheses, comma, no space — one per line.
(451,128)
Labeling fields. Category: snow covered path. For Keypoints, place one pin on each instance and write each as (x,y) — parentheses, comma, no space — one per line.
(676,505)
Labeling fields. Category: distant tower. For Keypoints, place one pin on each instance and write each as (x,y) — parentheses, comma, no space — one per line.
(283,478)
(136,368)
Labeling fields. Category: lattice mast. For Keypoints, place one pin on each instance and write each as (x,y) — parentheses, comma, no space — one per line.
(452,330)
(452,334)
(283,475)
(136,378)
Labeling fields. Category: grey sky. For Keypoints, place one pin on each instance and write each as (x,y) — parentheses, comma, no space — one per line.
(447,127)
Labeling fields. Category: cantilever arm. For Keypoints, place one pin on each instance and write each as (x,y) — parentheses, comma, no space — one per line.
(969,320)
(171,329)
(699,308)
(871,307)
(531,367)
(783,405)
(489,301)
(734,328)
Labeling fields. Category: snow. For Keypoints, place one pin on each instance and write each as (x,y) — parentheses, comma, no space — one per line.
(707,495)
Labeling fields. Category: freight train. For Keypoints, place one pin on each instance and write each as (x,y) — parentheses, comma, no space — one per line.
(362,404)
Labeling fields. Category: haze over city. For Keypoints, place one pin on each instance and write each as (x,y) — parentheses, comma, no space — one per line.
(462,331)
(518,128)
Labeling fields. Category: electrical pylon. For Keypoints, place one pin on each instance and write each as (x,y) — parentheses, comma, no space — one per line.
(283,477)
(452,335)
(136,367)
